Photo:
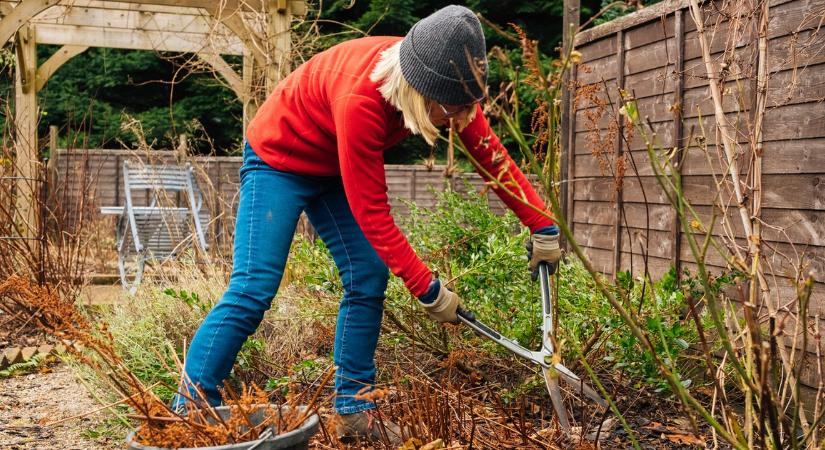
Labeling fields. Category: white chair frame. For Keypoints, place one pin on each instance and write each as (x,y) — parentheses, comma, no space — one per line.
(155,232)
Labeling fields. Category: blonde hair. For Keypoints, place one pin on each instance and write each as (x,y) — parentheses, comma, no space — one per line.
(399,93)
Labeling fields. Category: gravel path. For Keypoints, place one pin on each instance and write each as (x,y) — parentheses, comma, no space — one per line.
(28,403)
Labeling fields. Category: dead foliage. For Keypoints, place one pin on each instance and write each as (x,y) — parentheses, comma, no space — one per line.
(158,425)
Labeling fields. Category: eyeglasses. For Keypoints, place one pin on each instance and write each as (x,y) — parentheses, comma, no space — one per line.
(455,110)
(458,110)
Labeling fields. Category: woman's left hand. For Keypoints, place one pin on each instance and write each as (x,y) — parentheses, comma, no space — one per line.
(544,247)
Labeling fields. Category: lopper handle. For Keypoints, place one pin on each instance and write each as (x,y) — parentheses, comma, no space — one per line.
(465,313)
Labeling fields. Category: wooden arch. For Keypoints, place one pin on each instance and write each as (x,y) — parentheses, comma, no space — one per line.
(258,30)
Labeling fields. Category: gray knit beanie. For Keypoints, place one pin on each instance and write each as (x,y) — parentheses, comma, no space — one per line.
(435,56)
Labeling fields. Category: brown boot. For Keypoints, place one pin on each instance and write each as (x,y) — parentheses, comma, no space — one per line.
(368,426)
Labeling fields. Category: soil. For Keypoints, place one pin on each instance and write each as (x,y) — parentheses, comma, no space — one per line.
(30,403)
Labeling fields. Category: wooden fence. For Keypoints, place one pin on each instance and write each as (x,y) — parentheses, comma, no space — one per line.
(90,179)
(654,55)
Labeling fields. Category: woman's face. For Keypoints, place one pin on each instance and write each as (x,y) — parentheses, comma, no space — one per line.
(461,115)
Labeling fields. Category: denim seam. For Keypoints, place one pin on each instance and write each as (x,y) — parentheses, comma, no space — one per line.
(354,408)
(343,242)
(243,289)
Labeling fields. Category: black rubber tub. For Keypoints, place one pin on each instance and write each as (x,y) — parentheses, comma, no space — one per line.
(297,439)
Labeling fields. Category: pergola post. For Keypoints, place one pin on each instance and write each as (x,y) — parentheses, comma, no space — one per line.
(25,133)
(250,105)
(280,42)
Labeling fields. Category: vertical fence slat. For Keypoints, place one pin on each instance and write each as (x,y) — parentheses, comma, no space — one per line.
(617,250)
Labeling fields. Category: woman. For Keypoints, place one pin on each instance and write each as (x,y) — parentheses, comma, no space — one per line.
(316,146)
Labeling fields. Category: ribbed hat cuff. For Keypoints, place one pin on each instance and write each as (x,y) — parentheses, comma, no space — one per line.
(448,91)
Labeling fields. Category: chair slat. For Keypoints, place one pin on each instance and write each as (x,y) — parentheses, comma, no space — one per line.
(156,177)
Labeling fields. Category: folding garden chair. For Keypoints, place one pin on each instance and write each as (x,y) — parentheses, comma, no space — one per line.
(159,231)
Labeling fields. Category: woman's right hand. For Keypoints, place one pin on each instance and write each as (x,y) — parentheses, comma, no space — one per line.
(442,304)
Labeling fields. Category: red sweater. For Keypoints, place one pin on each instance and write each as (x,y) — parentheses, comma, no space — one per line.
(327,118)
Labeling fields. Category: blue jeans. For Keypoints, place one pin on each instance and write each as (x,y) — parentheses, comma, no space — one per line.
(270,203)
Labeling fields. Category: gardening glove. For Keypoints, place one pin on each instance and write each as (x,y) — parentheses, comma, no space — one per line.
(440,303)
(543,246)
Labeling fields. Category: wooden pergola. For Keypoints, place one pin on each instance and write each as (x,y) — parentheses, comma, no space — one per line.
(257,30)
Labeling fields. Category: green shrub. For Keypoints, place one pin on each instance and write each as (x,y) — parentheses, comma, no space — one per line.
(483,255)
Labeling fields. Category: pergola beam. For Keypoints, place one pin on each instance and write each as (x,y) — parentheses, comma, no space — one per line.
(225,12)
(226,71)
(97,14)
(20,15)
(230,6)
(132,39)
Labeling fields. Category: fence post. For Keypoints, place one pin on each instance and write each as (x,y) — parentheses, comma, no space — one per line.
(617,251)
(53,162)
(182,152)
(41,224)
(678,131)
(52,143)
(570,24)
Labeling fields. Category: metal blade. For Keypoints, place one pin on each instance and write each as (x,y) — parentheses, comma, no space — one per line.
(540,358)
(479,327)
(551,378)
(579,386)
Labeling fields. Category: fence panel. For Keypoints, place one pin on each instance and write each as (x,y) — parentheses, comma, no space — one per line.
(617,210)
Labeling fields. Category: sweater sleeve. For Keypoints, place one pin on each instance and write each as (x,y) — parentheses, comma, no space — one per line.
(360,131)
(486,148)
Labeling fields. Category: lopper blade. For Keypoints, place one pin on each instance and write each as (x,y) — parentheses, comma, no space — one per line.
(551,378)
(578,385)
